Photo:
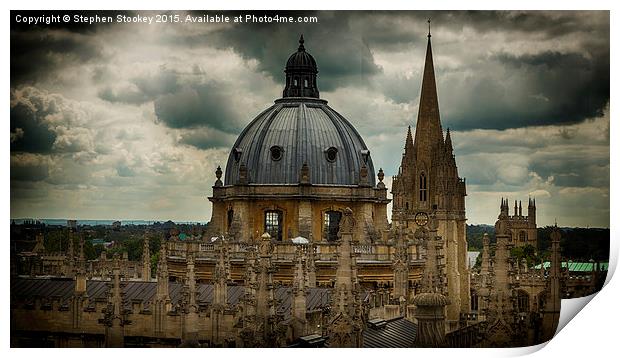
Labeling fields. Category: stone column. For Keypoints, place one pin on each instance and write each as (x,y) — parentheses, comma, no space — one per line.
(190,322)
(311,282)
(551,310)
(162,302)
(400,265)
(114,317)
(346,324)
(220,293)
(305,219)
(146,260)
(298,308)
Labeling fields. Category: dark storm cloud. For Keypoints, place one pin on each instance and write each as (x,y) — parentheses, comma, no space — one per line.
(342,55)
(562,87)
(544,24)
(37,53)
(28,131)
(43,122)
(587,168)
(25,169)
(393,29)
(542,89)
(197,106)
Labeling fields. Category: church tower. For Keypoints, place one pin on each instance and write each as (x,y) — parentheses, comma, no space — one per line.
(428,183)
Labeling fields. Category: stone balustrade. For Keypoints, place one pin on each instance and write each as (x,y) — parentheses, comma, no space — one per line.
(285,251)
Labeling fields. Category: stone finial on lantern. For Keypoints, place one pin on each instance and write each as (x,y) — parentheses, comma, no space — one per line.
(218,175)
(380,176)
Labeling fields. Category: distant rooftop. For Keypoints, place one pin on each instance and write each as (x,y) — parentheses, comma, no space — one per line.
(577,266)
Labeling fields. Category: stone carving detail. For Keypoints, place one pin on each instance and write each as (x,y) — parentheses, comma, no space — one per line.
(218,175)
(346,320)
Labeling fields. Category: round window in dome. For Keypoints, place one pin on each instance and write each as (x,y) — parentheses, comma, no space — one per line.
(331,153)
(276,152)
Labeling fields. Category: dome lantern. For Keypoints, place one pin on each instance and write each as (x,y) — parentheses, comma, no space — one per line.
(301,74)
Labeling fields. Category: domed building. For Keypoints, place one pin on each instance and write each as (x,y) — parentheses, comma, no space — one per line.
(304,256)
(296,167)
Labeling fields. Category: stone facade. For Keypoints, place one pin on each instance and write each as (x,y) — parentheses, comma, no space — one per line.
(239,211)
(516,306)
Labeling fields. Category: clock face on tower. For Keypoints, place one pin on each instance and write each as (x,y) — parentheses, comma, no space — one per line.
(421,219)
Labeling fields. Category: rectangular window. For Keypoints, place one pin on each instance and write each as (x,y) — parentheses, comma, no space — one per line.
(331,224)
(273,224)
(523,302)
(474,301)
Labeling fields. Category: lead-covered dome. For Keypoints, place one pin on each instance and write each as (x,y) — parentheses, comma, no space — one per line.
(275,146)
(300,139)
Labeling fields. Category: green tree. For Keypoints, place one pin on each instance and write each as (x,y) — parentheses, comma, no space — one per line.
(527,252)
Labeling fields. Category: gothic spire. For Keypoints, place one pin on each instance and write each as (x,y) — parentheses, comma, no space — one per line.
(162,275)
(409,142)
(448,143)
(428,128)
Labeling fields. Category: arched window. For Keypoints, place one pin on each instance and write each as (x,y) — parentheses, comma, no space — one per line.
(474,300)
(295,81)
(522,236)
(423,188)
(331,224)
(229,218)
(273,224)
(306,83)
(523,301)
(407,206)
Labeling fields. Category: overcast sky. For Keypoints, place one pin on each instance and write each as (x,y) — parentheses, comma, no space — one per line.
(129,121)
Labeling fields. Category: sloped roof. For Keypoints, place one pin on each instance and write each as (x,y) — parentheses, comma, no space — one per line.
(140,291)
(397,333)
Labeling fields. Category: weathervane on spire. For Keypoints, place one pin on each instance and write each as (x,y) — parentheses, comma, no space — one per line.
(429,27)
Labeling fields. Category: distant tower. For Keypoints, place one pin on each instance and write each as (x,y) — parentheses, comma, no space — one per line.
(522,229)
(531,211)
(428,183)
